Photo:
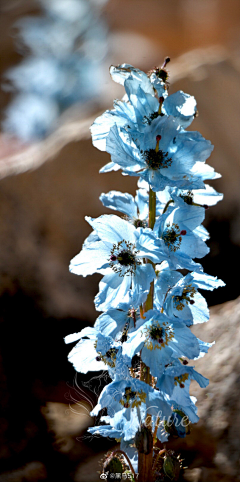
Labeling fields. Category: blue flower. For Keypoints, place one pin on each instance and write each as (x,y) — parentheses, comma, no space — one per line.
(96,351)
(204,347)
(117,322)
(136,209)
(149,84)
(181,106)
(179,234)
(159,339)
(164,155)
(146,137)
(117,249)
(84,355)
(177,295)
(171,196)
(202,198)
(146,98)
(176,374)
(131,400)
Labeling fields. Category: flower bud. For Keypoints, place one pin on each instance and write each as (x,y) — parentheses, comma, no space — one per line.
(144,440)
(172,467)
(114,466)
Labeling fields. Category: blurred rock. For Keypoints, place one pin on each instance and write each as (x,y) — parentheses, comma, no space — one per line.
(66,423)
(212,448)
(192,475)
(32,472)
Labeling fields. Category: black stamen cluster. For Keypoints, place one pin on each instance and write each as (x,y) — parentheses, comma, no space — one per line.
(157,160)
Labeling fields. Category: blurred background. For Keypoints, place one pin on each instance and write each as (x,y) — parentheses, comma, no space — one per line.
(54,67)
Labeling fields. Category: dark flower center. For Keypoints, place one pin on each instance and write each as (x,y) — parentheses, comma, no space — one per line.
(109,358)
(181,380)
(132,399)
(139,223)
(186,298)
(188,198)
(123,258)
(172,236)
(128,397)
(156,160)
(156,333)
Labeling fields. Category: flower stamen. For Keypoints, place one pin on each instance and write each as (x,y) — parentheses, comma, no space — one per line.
(123,258)
(132,399)
(186,298)
(172,236)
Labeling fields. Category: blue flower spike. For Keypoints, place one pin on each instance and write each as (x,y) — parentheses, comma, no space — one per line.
(142,338)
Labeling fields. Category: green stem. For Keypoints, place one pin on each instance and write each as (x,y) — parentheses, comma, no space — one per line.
(152,209)
(145,461)
(168,204)
(148,305)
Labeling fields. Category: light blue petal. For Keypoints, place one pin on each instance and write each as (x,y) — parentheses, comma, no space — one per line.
(204,347)
(206,282)
(158,85)
(149,245)
(122,202)
(122,72)
(92,259)
(182,106)
(144,275)
(112,322)
(105,431)
(114,291)
(83,357)
(207,196)
(122,115)
(123,150)
(142,201)
(112,229)
(111,166)
(144,104)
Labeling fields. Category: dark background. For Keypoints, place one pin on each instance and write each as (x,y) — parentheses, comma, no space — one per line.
(46,190)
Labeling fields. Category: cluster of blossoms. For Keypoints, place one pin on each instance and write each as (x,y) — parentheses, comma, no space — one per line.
(148,295)
(66,46)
